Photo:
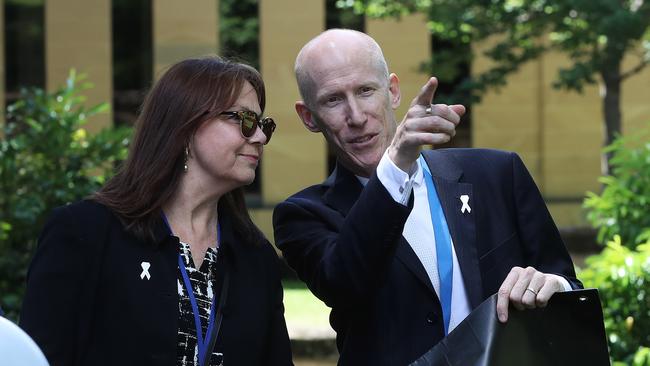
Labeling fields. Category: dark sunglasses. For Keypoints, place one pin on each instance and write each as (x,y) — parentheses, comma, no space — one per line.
(249,121)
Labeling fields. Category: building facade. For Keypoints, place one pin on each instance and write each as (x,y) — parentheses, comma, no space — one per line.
(557,133)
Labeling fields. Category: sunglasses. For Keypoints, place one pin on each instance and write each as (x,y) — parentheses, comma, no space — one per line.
(249,121)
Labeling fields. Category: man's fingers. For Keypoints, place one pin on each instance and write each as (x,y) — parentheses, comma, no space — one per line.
(426,94)
(430,138)
(517,293)
(443,111)
(526,288)
(503,297)
(551,286)
(459,109)
(529,299)
(430,124)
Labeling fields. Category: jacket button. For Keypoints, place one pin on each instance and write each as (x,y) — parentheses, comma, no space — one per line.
(431,318)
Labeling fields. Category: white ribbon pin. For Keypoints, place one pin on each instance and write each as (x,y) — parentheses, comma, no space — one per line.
(465,200)
(145,270)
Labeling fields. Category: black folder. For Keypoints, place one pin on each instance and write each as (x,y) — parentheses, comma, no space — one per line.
(568,331)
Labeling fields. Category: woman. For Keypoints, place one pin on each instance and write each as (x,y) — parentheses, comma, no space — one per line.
(163,265)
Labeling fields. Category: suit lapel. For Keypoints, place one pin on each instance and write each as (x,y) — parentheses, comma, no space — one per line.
(462,225)
(344,191)
(407,256)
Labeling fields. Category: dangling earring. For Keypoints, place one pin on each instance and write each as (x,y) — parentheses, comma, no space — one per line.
(187,154)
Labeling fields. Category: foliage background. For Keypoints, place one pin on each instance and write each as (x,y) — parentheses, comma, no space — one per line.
(622,276)
(47,159)
(621,272)
(623,207)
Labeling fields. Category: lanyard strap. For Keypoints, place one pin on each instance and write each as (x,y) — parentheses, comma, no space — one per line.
(443,245)
(201,341)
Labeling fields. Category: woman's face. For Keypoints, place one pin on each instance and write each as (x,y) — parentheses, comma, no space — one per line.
(220,155)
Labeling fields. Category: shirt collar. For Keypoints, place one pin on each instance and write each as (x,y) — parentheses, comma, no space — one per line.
(418,176)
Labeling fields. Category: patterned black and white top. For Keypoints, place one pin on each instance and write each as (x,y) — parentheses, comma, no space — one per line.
(202,281)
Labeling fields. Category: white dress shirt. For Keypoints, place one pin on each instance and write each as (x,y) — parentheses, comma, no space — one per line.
(418,231)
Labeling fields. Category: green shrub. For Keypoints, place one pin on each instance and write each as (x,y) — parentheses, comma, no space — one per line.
(47,159)
(622,275)
(623,208)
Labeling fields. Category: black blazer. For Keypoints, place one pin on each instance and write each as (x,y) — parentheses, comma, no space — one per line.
(345,241)
(86,303)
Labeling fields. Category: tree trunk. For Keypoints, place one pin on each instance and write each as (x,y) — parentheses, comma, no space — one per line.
(611,111)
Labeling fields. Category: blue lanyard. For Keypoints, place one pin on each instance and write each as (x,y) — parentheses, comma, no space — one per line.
(443,245)
(201,341)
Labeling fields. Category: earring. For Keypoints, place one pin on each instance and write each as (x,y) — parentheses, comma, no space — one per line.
(187,154)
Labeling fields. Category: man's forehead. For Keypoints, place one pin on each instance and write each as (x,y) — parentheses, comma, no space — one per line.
(336,59)
(331,76)
(331,52)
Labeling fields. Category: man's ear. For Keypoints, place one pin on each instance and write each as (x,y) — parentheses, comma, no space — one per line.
(393,88)
(306,116)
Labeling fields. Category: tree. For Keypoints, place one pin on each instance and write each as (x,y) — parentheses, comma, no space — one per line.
(595,34)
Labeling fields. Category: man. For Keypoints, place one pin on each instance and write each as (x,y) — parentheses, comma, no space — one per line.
(403,247)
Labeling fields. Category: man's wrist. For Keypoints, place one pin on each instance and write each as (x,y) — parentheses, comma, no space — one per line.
(408,168)
(396,181)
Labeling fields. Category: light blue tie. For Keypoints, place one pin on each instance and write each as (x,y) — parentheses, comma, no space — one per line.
(443,245)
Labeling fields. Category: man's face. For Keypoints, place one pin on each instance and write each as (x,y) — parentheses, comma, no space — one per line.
(353,104)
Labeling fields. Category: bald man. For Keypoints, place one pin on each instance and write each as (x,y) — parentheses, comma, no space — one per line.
(402,243)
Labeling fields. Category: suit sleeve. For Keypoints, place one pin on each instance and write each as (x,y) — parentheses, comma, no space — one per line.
(341,259)
(54,286)
(543,246)
(279,347)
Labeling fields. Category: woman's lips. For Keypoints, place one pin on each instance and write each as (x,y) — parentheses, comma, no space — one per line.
(251,158)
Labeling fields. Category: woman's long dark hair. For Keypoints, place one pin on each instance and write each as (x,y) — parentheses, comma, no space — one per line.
(188,94)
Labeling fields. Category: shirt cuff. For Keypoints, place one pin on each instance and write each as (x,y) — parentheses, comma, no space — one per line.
(396,181)
(564,282)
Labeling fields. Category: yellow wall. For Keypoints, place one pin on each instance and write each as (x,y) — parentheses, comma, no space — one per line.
(182,30)
(296,158)
(635,101)
(557,133)
(405,44)
(78,35)
(512,118)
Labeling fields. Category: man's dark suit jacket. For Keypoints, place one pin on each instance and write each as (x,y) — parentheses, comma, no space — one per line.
(86,303)
(345,241)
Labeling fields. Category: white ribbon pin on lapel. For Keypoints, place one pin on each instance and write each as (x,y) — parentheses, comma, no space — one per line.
(145,270)
(465,200)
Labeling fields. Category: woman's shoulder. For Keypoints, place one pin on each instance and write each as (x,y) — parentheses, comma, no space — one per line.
(85,214)
(86,207)
(254,247)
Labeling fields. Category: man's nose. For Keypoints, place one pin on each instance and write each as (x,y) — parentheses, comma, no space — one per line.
(356,114)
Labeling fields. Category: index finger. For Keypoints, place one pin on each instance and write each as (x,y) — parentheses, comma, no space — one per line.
(425,97)
(503,297)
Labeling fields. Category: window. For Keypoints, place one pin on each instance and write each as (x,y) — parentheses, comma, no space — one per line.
(132,57)
(25,46)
